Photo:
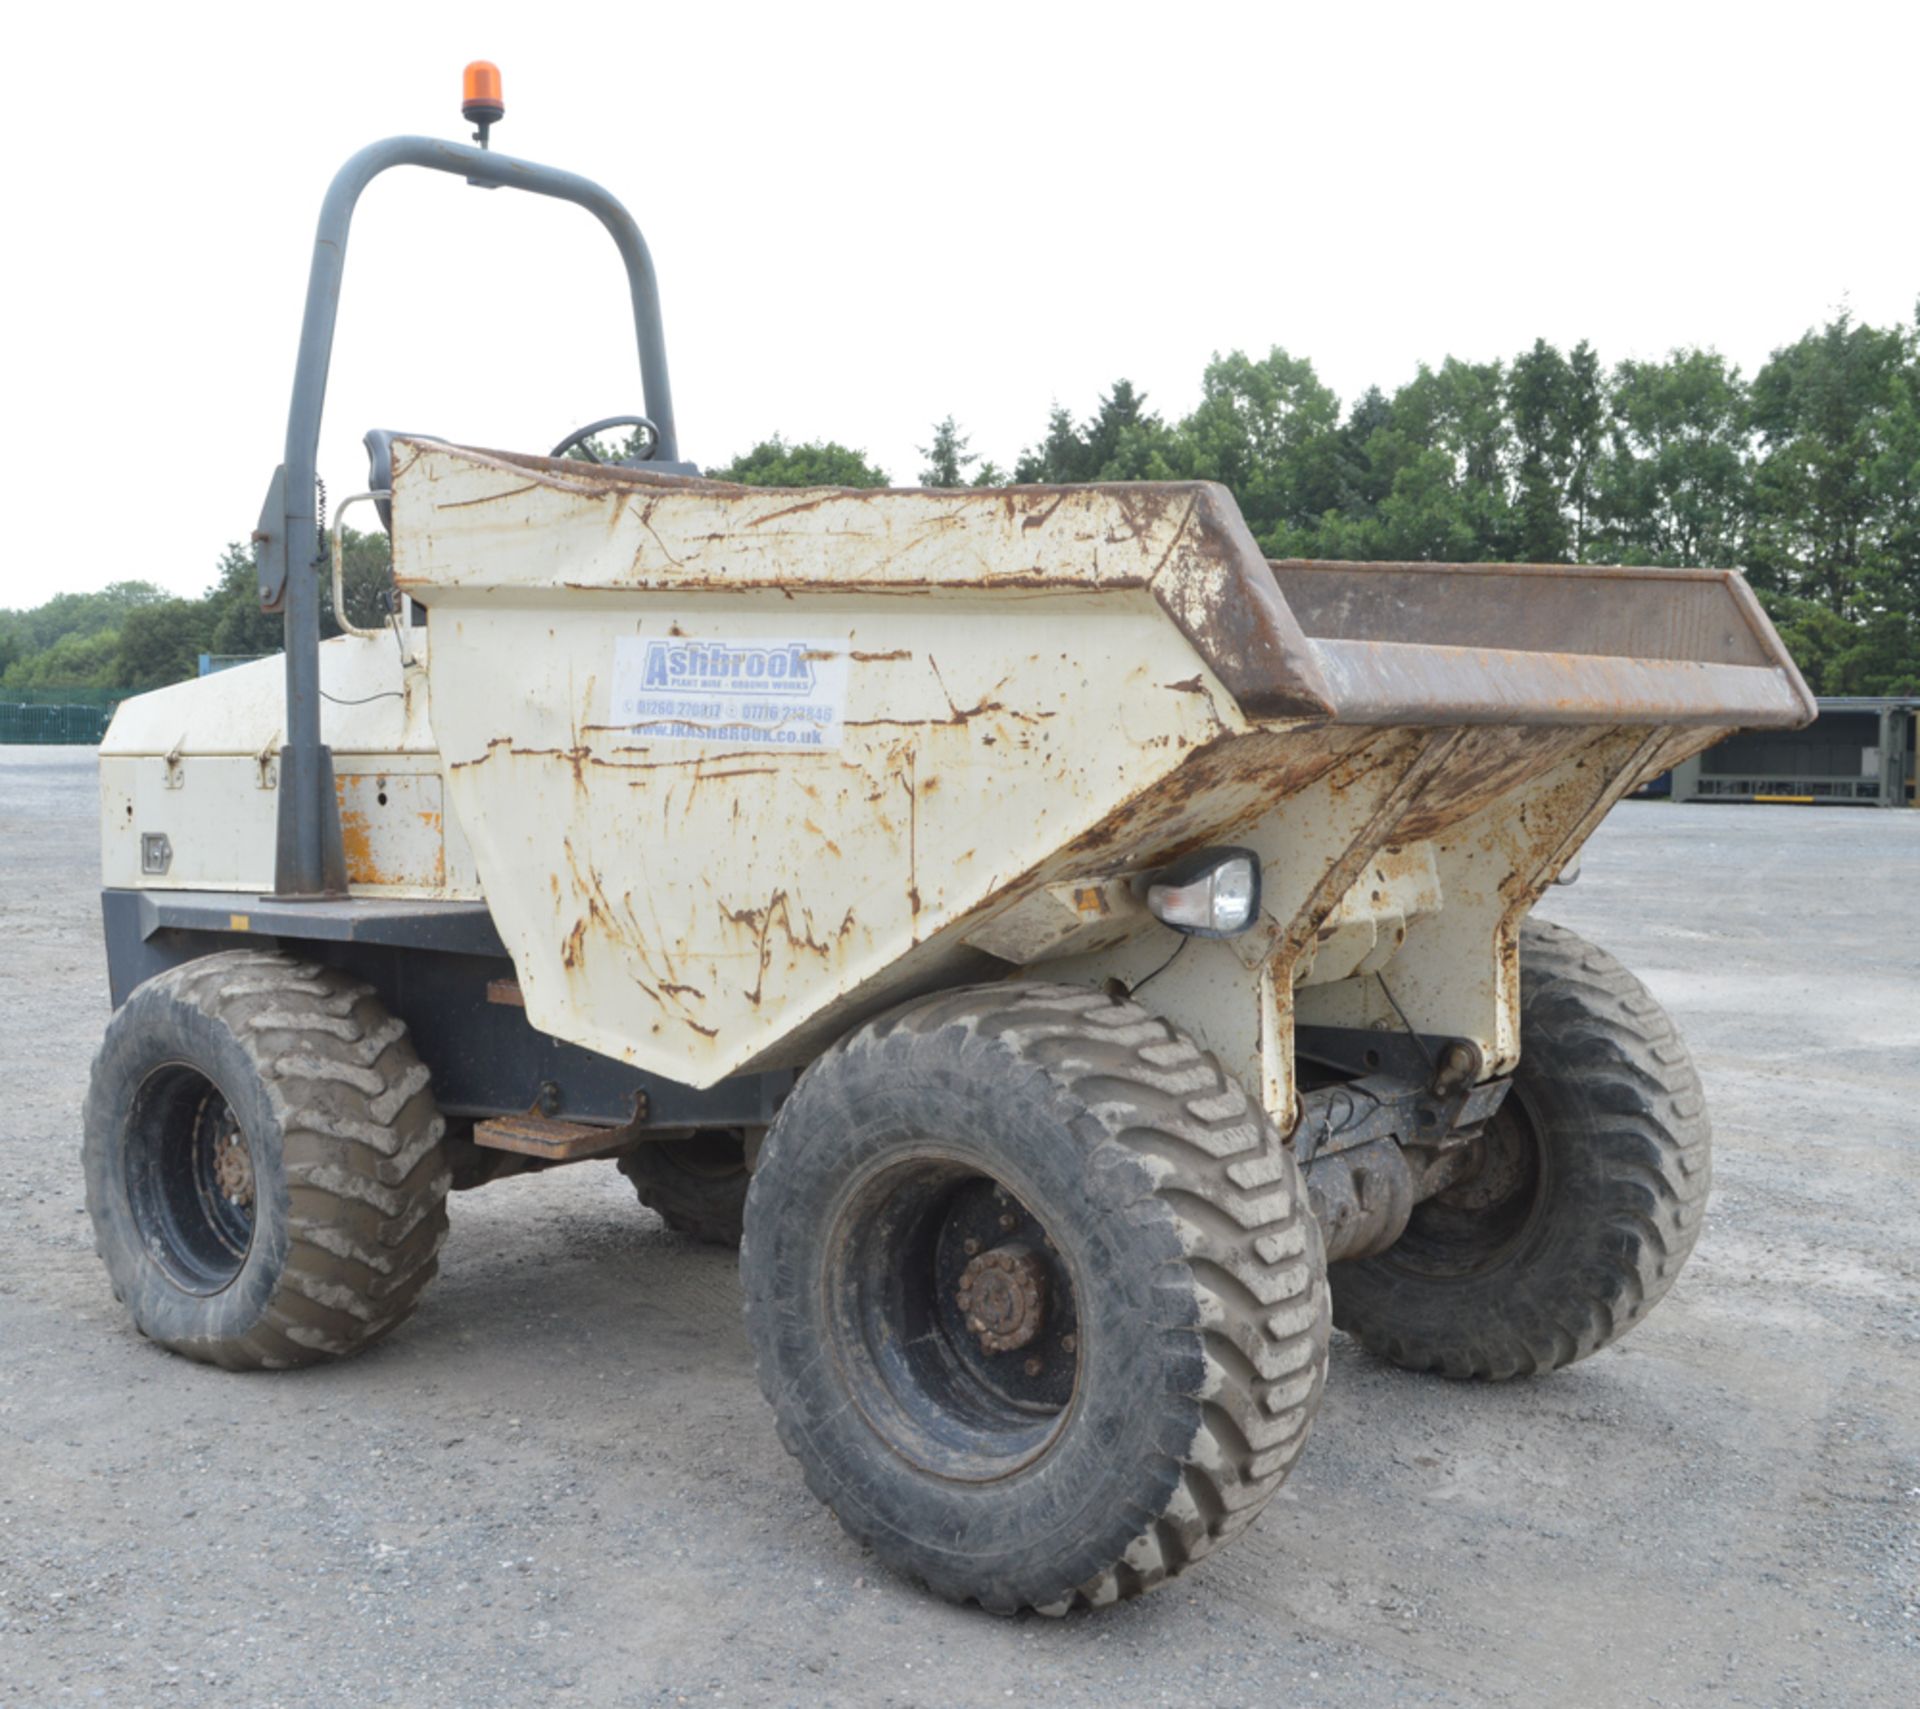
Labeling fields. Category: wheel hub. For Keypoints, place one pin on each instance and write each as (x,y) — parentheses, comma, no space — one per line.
(1496,1167)
(190,1178)
(954,1315)
(1002,1296)
(233,1169)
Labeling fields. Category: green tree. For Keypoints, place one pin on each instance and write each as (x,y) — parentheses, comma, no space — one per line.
(1422,475)
(233,622)
(75,660)
(1460,411)
(1557,408)
(1827,412)
(237,625)
(160,643)
(1126,441)
(1585,438)
(1266,430)
(1059,458)
(1121,441)
(1121,413)
(366,578)
(1367,463)
(817,463)
(1673,485)
(1539,386)
(1424,516)
(80,614)
(948,458)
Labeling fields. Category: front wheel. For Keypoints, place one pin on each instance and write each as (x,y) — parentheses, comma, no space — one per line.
(264,1163)
(1035,1294)
(1584,1197)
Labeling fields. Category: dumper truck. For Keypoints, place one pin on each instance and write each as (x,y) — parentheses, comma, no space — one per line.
(1078,961)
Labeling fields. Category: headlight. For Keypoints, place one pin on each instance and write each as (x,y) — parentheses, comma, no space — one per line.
(1212,893)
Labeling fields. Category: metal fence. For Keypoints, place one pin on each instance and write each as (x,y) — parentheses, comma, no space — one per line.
(75,714)
(68,715)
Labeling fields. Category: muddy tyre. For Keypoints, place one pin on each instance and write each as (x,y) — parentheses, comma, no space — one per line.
(263,1162)
(697,1186)
(1034,1293)
(1587,1199)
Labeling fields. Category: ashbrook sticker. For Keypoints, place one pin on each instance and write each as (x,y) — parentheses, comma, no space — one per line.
(748,693)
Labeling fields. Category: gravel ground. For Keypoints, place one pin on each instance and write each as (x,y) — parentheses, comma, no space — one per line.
(559,1480)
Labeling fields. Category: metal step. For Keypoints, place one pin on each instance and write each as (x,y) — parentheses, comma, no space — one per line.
(545,1137)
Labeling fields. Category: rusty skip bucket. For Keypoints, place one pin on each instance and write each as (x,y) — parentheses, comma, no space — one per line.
(741,766)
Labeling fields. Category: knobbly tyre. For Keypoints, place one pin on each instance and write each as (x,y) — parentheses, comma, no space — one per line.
(1084,957)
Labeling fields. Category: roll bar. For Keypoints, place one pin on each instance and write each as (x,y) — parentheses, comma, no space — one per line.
(309,857)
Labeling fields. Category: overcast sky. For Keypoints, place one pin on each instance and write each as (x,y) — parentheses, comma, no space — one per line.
(866,218)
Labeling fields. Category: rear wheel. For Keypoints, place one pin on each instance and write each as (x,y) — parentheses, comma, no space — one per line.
(263,1161)
(697,1185)
(1035,1295)
(1583,1199)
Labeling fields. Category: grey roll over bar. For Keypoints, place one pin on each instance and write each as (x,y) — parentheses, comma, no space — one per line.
(309,858)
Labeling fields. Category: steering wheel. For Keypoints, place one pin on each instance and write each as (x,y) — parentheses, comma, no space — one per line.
(581,435)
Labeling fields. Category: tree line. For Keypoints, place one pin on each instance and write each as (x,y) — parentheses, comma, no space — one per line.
(133,635)
(1807,476)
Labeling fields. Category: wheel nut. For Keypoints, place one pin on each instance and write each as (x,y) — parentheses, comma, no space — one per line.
(969,1247)
(1069,1343)
(1034,1367)
(1006,1221)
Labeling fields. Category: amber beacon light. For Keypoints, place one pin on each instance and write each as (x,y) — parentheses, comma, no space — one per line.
(480,98)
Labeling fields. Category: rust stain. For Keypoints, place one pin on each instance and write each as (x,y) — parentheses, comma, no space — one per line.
(377,812)
(913,834)
(1040,518)
(601,915)
(356,836)
(645,515)
(802,507)
(488,498)
(1493,760)
(1421,761)
(495,742)
(779,912)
